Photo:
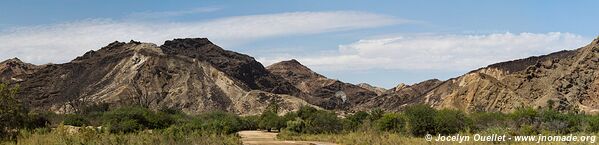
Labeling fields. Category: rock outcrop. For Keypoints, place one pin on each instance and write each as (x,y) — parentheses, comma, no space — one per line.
(327,93)
(12,70)
(375,89)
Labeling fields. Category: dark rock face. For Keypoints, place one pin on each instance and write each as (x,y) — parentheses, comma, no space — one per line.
(522,64)
(325,92)
(239,66)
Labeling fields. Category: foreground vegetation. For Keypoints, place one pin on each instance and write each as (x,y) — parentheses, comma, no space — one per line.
(101,124)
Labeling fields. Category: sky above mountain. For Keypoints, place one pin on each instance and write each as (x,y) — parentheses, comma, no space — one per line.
(383,42)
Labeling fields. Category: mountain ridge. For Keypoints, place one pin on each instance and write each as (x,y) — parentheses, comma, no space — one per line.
(195,75)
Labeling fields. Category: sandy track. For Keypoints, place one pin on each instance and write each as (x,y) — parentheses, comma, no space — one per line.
(270,138)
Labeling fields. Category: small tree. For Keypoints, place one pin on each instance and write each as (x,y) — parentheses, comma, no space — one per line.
(323,122)
(376,114)
(390,122)
(421,119)
(269,119)
(12,112)
(451,121)
(354,121)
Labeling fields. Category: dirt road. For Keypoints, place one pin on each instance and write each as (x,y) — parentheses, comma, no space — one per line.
(270,138)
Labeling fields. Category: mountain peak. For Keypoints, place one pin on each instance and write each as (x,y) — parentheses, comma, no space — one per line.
(293,66)
(291,62)
(12,60)
(187,42)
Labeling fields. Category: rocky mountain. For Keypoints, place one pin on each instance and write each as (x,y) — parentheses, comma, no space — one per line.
(396,97)
(193,75)
(330,93)
(565,80)
(12,70)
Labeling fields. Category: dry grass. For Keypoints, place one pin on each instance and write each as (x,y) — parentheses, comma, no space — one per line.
(377,138)
(61,136)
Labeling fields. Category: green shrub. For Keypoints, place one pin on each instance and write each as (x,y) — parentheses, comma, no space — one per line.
(575,123)
(298,125)
(75,120)
(36,120)
(215,122)
(420,119)
(390,122)
(270,120)
(451,121)
(375,114)
(485,120)
(525,116)
(316,121)
(129,119)
(593,123)
(354,121)
(250,122)
(358,117)
(323,122)
(306,111)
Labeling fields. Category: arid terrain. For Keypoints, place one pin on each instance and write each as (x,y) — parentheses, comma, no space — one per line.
(194,75)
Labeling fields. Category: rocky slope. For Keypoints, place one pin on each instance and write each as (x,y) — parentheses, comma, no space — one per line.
(399,96)
(565,80)
(193,75)
(330,93)
(12,70)
(375,89)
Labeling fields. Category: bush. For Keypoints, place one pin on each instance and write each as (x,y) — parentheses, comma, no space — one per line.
(390,122)
(354,121)
(298,125)
(75,120)
(420,119)
(323,122)
(36,120)
(130,119)
(250,122)
(451,121)
(375,114)
(358,117)
(306,111)
(270,120)
(525,116)
(575,122)
(593,123)
(215,122)
(486,120)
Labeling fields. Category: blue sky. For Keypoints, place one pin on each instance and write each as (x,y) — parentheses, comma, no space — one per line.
(378,42)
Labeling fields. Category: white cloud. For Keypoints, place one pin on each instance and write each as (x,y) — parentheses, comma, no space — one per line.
(440,52)
(162,14)
(63,42)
